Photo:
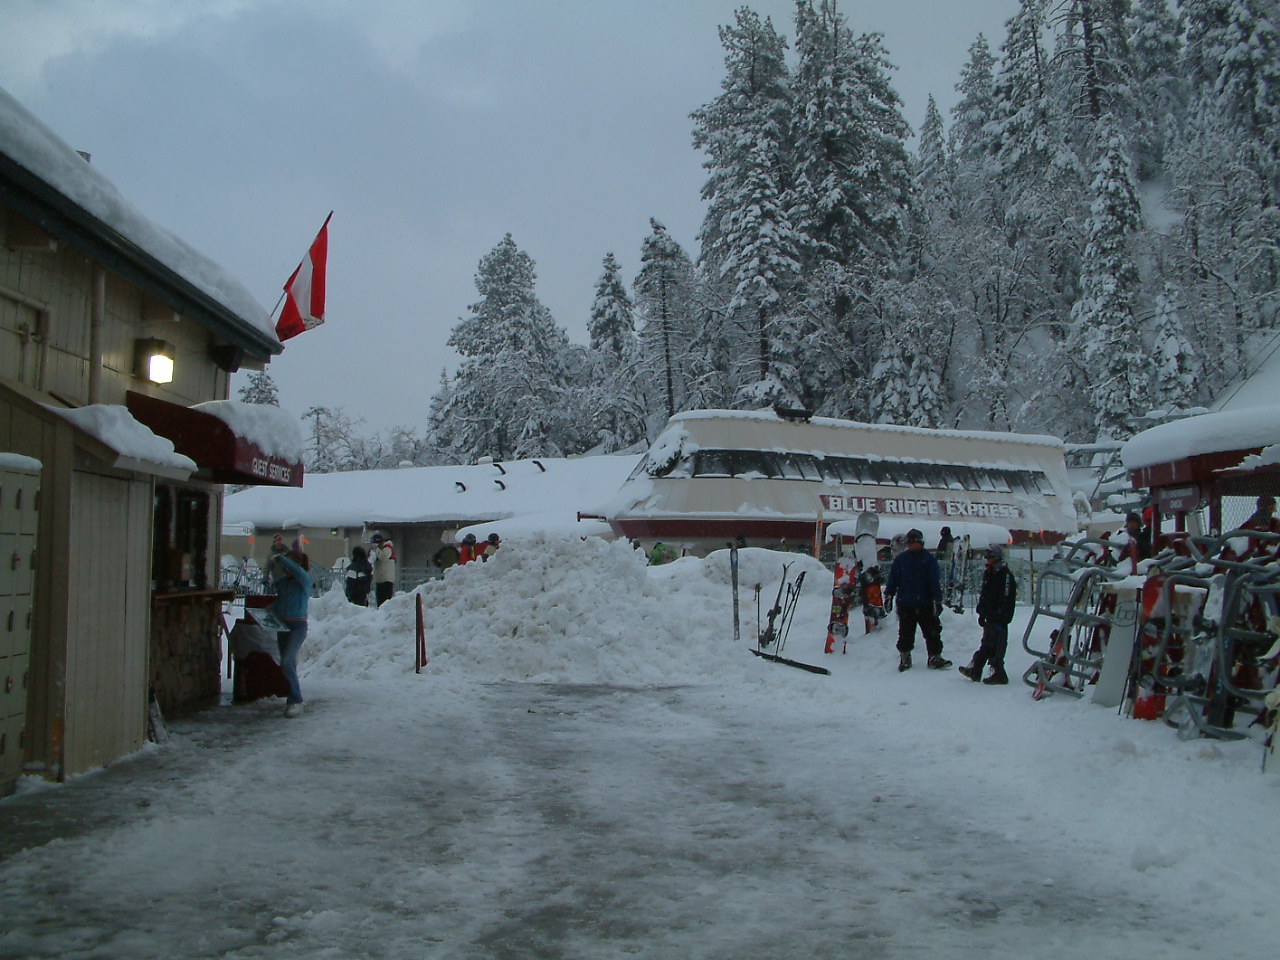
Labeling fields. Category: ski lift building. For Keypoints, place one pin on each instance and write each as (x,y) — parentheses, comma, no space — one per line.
(1205,473)
(774,477)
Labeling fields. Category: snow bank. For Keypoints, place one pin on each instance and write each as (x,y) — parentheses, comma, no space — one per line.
(560,610)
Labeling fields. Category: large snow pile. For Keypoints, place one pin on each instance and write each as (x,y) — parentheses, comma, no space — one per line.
(560,610)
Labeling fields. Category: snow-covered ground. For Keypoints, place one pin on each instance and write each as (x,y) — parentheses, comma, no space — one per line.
(589,767)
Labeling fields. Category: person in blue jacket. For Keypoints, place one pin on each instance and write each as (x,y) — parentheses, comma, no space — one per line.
(915,585)
(290,573)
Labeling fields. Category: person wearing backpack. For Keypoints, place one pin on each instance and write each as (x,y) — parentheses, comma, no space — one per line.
(359,577)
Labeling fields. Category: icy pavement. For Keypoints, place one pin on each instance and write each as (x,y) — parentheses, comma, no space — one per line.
(590,768)
(557,821)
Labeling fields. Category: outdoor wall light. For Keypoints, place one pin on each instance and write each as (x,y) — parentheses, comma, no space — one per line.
(153,360)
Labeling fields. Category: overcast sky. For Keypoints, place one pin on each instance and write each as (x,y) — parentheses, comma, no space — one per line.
(431,128)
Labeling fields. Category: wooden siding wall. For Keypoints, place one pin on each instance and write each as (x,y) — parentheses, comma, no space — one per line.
(59,284)
(107,643)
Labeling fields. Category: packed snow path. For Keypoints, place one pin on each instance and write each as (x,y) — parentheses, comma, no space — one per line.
(590,768)
(557,821)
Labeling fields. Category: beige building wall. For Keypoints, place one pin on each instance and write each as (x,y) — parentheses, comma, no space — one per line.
(46,308)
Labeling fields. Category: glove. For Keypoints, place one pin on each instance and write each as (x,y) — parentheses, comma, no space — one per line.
(982,621)
(888,603)
(937,608)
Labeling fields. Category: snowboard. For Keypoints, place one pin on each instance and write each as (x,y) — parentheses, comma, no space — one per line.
(870,580)
(842,588)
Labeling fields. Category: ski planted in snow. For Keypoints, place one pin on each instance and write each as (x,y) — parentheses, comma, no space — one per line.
(779,624)
(960,562)
(733,578)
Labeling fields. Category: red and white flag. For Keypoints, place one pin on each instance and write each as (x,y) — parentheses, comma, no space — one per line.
(304,291)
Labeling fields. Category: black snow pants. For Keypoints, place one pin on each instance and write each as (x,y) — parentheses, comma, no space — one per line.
(930,626)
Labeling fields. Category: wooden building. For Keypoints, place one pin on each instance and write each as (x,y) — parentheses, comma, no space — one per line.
(125,607)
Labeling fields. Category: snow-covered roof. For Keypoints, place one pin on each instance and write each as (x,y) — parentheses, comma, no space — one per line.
(38,150)
(551,491)
(886,429)
(1222,432)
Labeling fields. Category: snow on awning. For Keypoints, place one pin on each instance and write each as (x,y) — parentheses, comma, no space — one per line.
(137,448)
(1223,432)
(1192,449)
(223,453)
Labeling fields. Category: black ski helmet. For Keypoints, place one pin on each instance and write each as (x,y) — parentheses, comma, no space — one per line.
(915,536)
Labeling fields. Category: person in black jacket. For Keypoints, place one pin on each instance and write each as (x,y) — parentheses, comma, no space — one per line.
(995,609)
(359,577)
(914,578)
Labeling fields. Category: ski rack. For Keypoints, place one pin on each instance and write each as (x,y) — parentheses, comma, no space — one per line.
(1075,659)
(1200,665)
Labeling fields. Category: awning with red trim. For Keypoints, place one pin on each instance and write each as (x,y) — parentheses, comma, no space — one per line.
(221,454)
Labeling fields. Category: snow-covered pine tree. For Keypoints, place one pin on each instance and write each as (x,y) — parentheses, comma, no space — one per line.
(665,305)
(925,396)
(1105,343)
(763,267)
(751,117)
(612,325)
(1233,50)
(260,388)
(1022,115)
(890,382)
(510,396)
(748,245)
(932,174)
(1227,165)
(969,139)
(1097,58)
(851,198)
(850,141)
(1176,372)
(1159,90)
(611,396)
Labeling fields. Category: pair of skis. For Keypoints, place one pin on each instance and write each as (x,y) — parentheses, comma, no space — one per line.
(957,575)
(778,624)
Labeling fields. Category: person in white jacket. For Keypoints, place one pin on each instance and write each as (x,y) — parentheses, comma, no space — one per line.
(383,555)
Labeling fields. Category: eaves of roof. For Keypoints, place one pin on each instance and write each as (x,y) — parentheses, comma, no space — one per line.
(62,218)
